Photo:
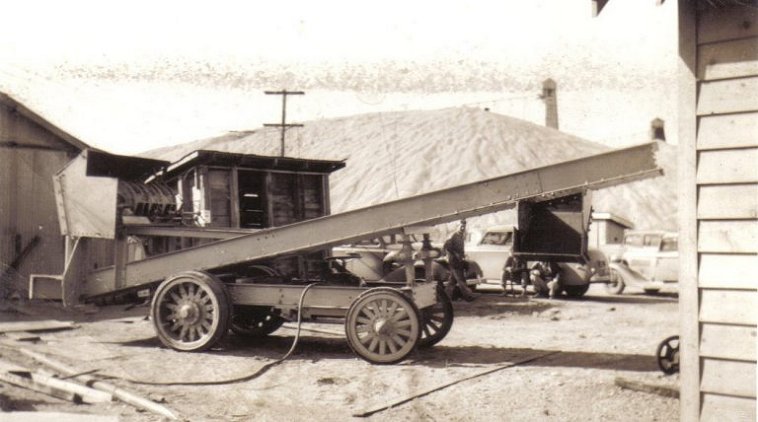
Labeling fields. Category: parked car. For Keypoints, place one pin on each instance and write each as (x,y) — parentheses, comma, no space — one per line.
(647,259)
(490,249)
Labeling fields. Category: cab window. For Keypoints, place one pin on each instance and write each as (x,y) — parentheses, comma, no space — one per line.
(633,240)
(497,238)
(669,245)
(652,240)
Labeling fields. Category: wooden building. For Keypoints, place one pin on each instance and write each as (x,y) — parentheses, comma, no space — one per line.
(32,150)
(245,191)
(607,228)
(718,207)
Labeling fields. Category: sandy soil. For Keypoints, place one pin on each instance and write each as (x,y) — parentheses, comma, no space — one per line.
(579,346)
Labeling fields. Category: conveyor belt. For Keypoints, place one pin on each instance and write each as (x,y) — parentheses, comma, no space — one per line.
(483,197)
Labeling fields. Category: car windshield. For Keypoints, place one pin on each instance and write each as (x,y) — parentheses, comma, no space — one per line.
(633,240)
(497,238)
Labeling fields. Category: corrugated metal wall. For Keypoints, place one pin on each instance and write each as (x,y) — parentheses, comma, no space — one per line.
(726,180)
(27,201)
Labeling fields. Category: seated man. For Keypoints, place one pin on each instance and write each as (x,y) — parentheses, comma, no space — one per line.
(545,277)
(514,271)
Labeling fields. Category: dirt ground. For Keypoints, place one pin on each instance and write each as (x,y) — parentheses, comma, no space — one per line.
(576,349)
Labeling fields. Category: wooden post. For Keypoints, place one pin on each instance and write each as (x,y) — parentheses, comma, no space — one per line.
(689,331)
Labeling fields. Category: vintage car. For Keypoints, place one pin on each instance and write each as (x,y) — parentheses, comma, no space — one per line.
(646,259)
(490,249)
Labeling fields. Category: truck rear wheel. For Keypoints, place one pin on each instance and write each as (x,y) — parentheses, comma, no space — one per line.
(191,311)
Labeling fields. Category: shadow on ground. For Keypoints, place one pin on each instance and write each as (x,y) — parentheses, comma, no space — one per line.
(315,349)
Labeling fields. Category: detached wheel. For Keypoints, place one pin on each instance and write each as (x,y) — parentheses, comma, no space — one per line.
(255,321)
(436,320)
(576,291)
(616,284)
(668,355)
(191,311)
(382,326)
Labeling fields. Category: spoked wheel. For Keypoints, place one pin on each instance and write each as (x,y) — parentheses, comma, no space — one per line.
(255,321)
(382,326)
(668,355)
(436,320)
(190,311)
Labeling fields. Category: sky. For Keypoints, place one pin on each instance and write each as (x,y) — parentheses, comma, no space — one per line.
(131,76)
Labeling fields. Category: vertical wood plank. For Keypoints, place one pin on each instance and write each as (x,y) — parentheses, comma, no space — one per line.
(234,197)
(689,396)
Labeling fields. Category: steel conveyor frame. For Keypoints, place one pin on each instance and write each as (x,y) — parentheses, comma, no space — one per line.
(473,199)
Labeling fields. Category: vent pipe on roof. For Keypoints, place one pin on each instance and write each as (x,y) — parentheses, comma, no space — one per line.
(656,130)
(550,97)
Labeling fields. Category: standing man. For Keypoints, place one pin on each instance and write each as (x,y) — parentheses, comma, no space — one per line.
(454,250)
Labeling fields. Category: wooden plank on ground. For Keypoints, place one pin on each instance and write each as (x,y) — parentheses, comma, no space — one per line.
(728,96)
(728,202)
(729,306)
(728,166)
(24,377)
(728,377)
(727,409)
(661,390)
(728,59)
(728,131)
(55,417)
(728,236)
(723,341)
(123,395)
(723,24)
(47,325)
(722,271)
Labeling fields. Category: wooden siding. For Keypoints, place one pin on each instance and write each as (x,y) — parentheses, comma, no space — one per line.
(729,59)
(27,200)
(728,96)
(722,202)
(739,236)
(737,342)
(722,271)
(728,131)
(729,306)
(718,408)
(728,377)
(718,210)
(728,165)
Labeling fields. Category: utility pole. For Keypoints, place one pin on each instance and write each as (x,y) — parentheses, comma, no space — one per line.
(283,125)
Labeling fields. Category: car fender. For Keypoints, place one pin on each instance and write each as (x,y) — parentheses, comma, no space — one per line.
(627,273)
